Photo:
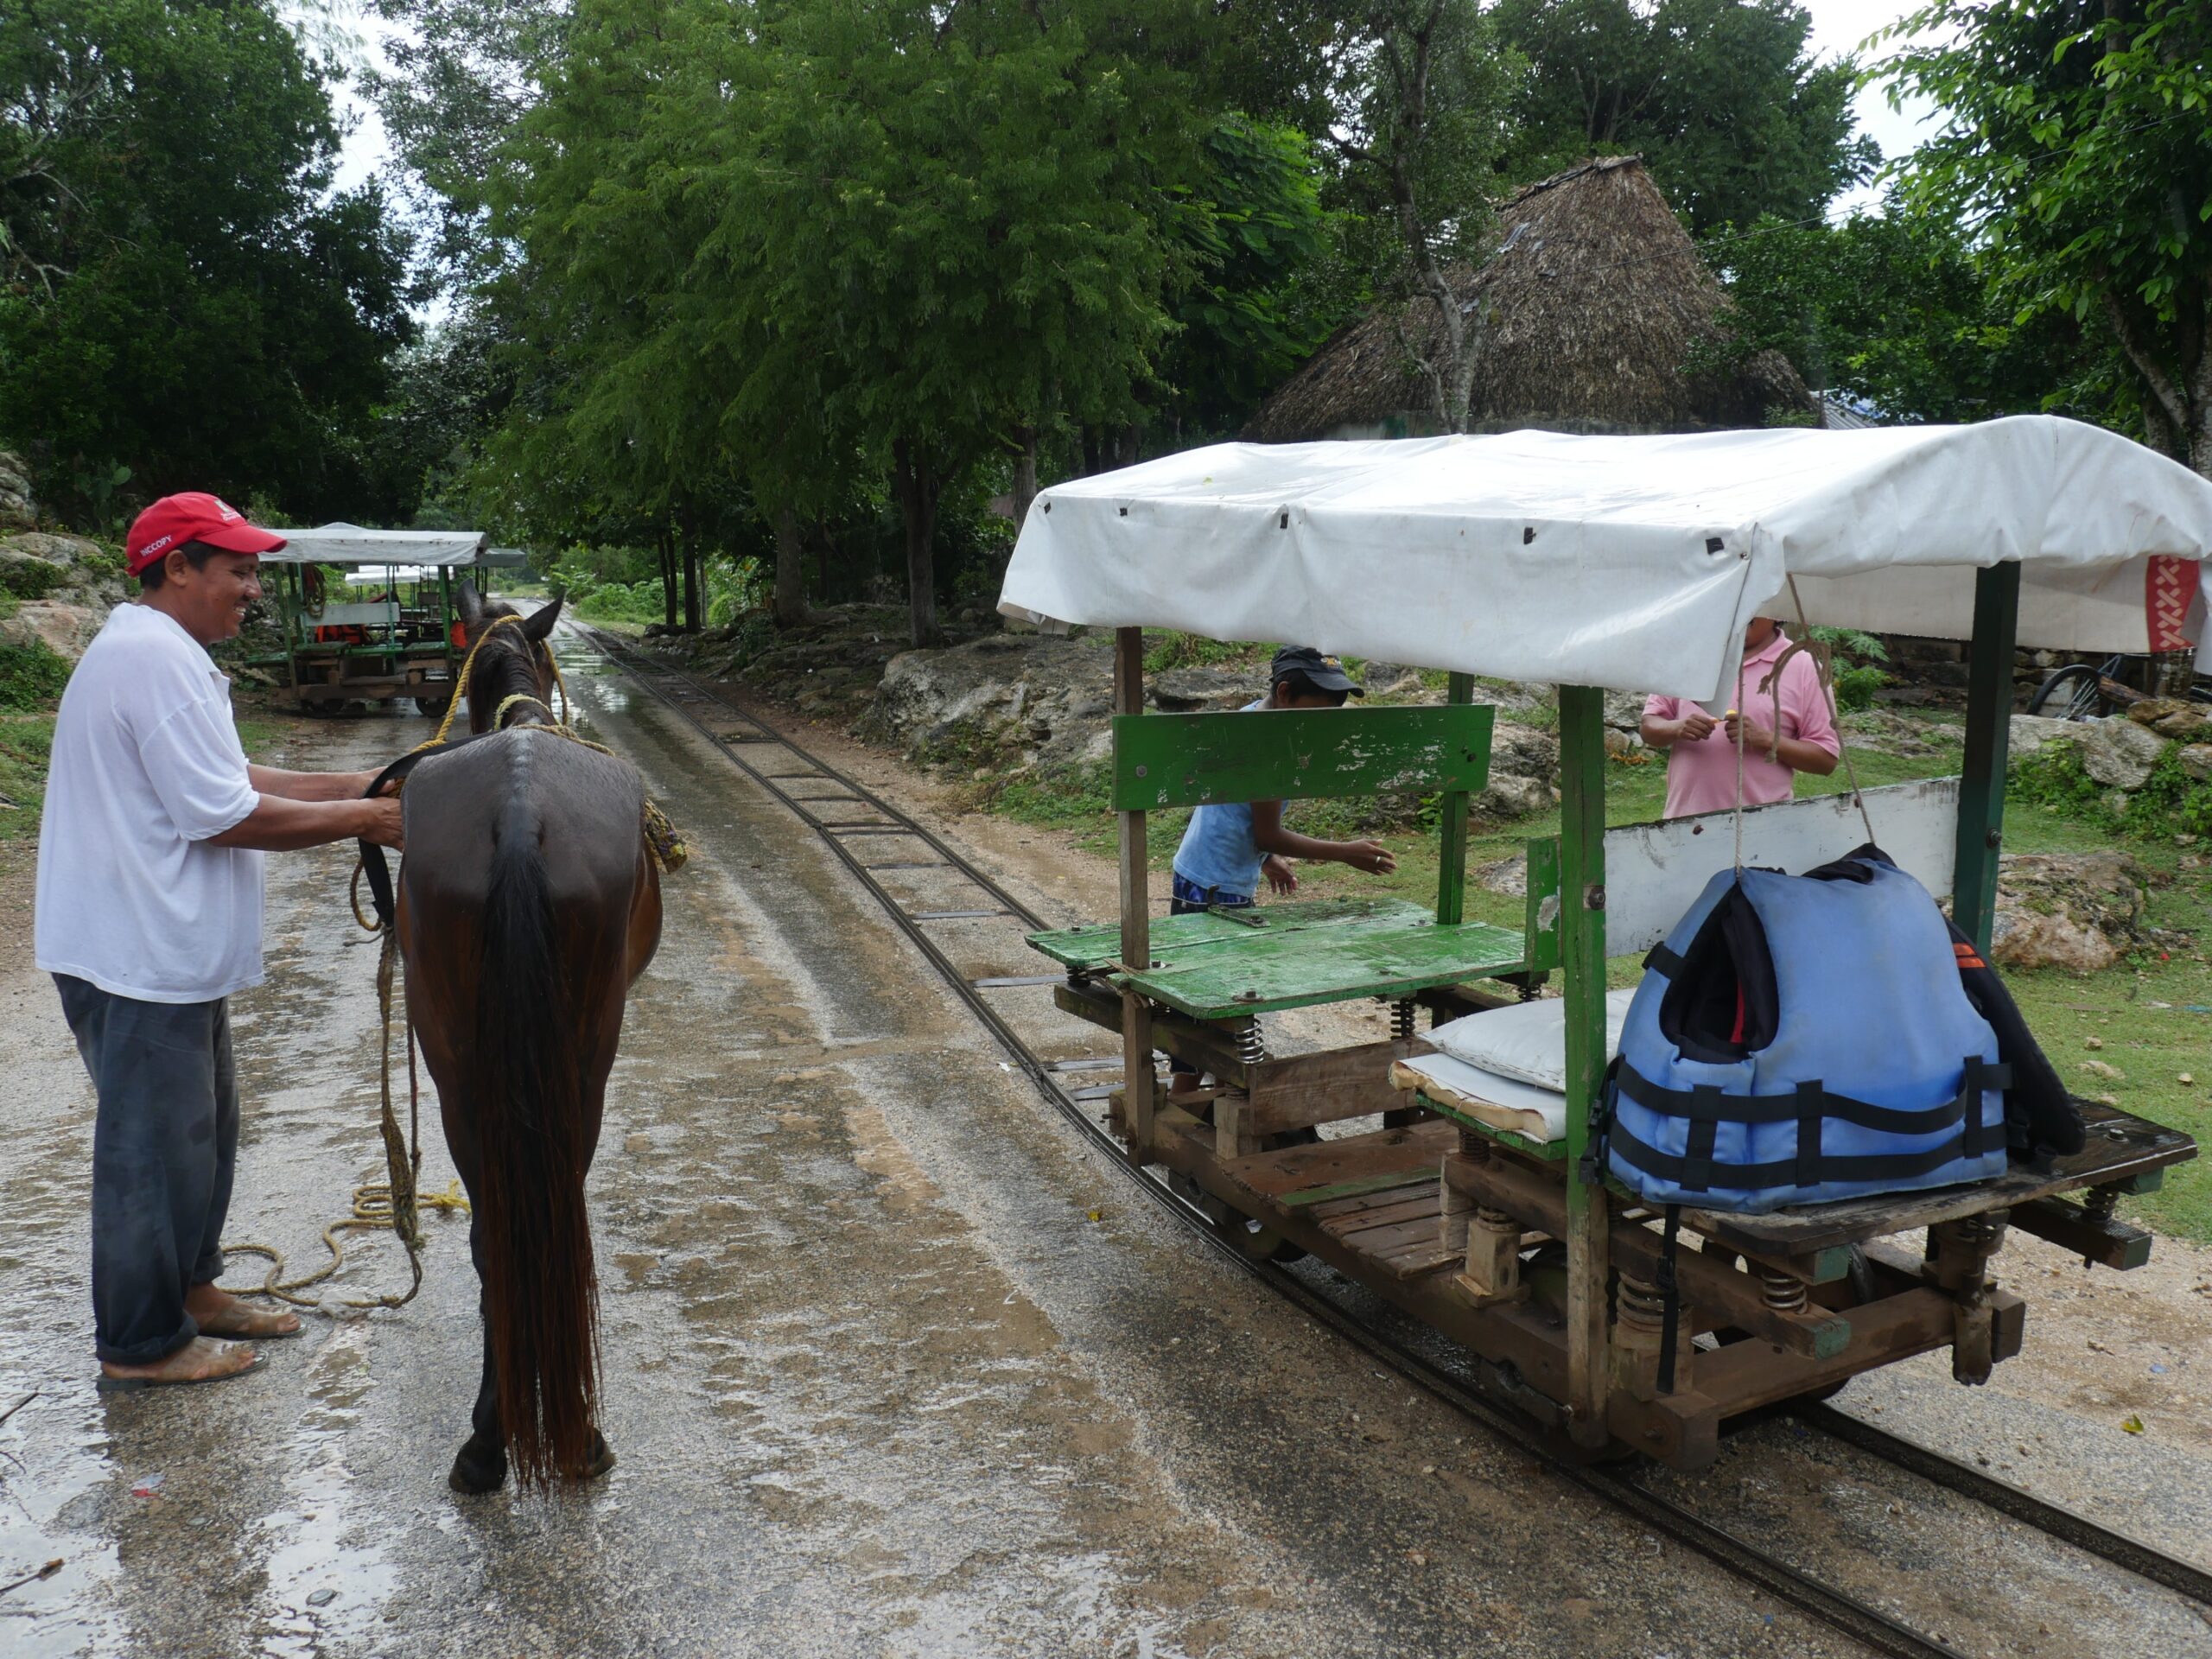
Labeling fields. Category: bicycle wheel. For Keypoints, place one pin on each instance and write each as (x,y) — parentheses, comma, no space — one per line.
(2070,693)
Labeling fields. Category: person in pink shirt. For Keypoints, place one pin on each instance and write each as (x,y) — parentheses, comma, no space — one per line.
(1701,761)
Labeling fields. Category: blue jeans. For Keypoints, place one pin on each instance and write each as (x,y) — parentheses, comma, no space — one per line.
(164,1146)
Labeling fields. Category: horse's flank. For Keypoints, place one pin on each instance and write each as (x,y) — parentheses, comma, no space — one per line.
(527,906)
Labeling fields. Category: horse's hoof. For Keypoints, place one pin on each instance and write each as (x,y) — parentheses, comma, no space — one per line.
(602,1457)
(473,1477)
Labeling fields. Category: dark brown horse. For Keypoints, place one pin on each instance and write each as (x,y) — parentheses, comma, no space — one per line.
(528,904)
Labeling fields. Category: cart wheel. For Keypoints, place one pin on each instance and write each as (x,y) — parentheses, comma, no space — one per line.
(1249,1238)
(2070,693)
(433,707)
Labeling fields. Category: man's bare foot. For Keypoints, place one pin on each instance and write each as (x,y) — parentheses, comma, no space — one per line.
(200,1360)
(219,1313)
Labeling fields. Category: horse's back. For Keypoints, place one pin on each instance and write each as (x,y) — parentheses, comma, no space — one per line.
(582,808)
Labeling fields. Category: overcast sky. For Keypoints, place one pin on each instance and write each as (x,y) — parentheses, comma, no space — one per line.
(1839,25)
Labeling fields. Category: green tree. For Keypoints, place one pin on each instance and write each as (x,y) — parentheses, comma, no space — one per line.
(951,218)
(2078,149)
(1248,310)
(1722,99)
(179,294)
(1895,310)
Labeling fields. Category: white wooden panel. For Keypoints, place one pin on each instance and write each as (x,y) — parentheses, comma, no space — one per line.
(1654,872)
(360,613)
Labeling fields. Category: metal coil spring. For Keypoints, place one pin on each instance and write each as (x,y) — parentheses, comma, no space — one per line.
(1639,1305)
(1402,1018)
(1252,1042)
(1782,1292)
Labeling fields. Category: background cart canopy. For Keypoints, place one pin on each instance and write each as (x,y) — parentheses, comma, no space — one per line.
(1628,562)
(351,544)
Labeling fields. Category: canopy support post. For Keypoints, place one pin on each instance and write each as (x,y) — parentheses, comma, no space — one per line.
(1137,1075)
(1582,960)
(1981,782)
(1452,849)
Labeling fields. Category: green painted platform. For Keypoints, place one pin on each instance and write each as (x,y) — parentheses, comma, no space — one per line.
(1221,965)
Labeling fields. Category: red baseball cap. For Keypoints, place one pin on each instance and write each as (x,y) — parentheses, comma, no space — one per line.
(194,516)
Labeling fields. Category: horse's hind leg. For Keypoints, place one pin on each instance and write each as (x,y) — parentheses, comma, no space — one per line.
(481,1463)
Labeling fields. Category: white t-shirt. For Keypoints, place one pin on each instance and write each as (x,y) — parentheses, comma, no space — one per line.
(146,766)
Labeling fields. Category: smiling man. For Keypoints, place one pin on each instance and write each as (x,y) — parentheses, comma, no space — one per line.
(148,917)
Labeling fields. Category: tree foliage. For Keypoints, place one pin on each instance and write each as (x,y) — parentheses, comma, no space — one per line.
(181,303)
(2078,148)
(1894,311)
(1721,97)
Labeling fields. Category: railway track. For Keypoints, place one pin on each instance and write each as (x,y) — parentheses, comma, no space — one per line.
(780,766)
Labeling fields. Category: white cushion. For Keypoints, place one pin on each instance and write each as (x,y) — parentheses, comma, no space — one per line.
(1527,1041)
(1502,1102)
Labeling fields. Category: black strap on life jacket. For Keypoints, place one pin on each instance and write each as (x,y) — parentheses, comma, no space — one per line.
(374,864)
(1705,1108)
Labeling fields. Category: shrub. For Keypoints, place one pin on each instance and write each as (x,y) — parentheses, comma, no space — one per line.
(31,675)
(1856,680)
(31,578)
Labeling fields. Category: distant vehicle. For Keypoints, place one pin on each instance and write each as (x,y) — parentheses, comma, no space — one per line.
(386,627)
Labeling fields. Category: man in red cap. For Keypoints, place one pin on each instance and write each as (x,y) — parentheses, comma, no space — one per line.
(148,916)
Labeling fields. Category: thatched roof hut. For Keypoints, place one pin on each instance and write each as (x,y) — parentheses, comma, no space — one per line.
(1588,310)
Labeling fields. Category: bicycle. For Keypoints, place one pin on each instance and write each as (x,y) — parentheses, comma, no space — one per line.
(2090,690)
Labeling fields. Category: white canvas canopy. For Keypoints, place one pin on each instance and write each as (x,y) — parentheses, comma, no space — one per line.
(1628,562)
(351,544)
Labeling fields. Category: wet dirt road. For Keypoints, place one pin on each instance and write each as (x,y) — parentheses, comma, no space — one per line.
(894,1364)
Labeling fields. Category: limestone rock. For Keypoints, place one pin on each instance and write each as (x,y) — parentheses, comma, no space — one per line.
(2031,733)
(1624,710)
(1508,876)
(65,630)
(2172,718)
(1524,772)
(2197,760)
(18,510)
(2081,911)
(49,547)
(2118,753)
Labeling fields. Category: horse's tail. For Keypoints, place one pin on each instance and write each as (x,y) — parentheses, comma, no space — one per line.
(541,1290)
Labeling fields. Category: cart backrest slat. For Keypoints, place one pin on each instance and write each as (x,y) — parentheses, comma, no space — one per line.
(1163,760)
(1654,872)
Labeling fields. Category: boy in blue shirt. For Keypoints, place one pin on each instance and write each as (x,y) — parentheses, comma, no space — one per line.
(1228,849)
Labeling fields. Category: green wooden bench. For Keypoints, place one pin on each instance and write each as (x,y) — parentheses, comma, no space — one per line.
(1225,964)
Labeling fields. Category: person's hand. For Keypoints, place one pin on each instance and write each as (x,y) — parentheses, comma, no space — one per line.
(1369,856)
(383,823)
(1280,877)
(1697,726)
(1755,737)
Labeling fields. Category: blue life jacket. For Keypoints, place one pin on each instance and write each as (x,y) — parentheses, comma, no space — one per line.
(1804,1038)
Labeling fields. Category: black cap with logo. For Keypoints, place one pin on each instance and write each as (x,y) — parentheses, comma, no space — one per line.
(1324,673)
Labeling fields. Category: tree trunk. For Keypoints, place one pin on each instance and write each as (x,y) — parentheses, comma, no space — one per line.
(789,606)
(693,608)
(1025,476)
(916,481)
(664,544)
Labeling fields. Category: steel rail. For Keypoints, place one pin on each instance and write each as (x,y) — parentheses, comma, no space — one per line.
(1869,1626)
(2085,1534)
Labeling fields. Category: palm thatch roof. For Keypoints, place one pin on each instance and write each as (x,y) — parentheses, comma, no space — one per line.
(1588,311)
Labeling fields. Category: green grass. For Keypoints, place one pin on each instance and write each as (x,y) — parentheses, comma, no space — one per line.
(2151,1016)
(25,742)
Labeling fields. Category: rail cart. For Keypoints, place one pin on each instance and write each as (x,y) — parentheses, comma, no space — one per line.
(1594,563)
(381,627)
